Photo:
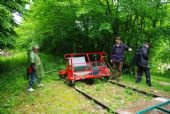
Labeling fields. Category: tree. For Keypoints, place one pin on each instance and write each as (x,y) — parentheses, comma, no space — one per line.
(91,25)
(7,24)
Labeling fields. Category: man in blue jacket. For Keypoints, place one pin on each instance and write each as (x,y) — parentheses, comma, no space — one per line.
(117,57)
(141,60)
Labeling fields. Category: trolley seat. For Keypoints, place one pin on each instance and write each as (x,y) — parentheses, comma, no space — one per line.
(80,66)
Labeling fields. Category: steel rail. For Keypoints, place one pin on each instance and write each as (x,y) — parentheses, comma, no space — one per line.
(104,106)
(136,90)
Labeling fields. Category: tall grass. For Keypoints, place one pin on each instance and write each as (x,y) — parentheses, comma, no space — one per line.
(12,82)
(13,62)
(13,69)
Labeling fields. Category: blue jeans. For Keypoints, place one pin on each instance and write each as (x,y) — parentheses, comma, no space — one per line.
(33,78)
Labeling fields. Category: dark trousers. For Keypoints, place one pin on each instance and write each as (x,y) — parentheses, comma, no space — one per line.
(117,66)
(140,71)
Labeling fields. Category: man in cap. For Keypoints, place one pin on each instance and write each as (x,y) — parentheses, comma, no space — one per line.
(141,60)
(35,68)
(117,57)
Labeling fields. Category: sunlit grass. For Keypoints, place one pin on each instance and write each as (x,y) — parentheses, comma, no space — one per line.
(113,95)
(157,87)
(55,98)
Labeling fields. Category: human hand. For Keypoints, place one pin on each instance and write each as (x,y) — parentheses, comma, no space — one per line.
(130,49)
(33,67)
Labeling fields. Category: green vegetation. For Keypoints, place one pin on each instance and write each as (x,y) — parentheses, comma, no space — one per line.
(55,97)
(91,25)
(161,85)
(112,95)
(70,26)
(7,24)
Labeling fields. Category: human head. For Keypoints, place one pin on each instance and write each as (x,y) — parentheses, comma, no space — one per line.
(118,40)
(35,48)
(146,44)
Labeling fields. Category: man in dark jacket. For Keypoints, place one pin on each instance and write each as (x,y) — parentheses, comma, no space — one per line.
(117,57)
(141,60)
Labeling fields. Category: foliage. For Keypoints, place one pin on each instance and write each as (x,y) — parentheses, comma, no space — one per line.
(91,25)
(65,26)
(161,57)
(7,24)
(164,68)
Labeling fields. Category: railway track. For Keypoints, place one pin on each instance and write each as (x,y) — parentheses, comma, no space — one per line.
(105,106)
(134,89)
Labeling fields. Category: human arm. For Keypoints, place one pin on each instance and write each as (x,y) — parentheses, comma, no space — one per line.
(127,48)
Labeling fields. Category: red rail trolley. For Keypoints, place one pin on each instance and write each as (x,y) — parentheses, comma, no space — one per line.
(85,66)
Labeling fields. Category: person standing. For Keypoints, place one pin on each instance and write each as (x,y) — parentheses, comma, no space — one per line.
(35,68)
(117,57)
(141,60)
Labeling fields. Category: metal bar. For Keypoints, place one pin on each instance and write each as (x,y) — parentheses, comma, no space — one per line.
(134,89)
(163,109)
(153,107)
(96,101)
(77,54)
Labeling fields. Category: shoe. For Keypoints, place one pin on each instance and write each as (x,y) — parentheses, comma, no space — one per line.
(136,82)
(40,85)
(149,85)
(31,90)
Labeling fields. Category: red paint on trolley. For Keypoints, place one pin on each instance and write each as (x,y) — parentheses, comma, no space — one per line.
(85,66)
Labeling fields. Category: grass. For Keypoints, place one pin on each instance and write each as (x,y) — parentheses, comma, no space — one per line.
(56,97)
(113,95)
(163,90)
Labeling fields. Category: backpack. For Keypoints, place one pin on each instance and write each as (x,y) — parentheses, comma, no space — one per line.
(138,56)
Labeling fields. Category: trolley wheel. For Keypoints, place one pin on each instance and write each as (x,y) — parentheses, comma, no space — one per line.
(90,81)
(106,79)
(71,83)
(62,76)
